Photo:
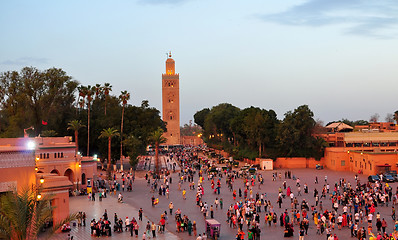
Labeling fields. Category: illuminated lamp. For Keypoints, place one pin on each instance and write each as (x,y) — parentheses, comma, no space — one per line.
(42,179)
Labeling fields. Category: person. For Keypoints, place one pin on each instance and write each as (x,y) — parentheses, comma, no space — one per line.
(189,228)
(171,206)
(301,234)
(194,228)
(140,214)
(136,228)
(199,237)
(153,228)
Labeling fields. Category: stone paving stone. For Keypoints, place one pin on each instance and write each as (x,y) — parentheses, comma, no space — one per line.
(95,209)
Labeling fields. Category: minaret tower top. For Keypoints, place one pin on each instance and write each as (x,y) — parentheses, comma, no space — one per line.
(170,65)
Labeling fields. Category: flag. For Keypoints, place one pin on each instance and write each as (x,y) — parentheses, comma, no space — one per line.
(43,122)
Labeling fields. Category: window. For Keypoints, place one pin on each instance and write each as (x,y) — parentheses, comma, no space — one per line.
(83,178)
(171,117)
(342,162)
(48,155)
(55,155)
(41,155)
(370,166)
(62,154)
(365,165)
(355,163)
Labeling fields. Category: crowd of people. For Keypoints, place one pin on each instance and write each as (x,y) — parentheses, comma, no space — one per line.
(324,209)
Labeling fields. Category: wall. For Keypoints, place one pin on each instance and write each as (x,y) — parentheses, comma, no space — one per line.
(337,159)
(297,162)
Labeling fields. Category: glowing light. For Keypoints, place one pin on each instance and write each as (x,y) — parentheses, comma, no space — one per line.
(36,168)
(95,157)
(37,158)
(80,165)
(348,151)
(42,179)
(38,196)
(31,145)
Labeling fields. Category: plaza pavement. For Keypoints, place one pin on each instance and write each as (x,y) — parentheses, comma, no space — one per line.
(95,209)
(141,197)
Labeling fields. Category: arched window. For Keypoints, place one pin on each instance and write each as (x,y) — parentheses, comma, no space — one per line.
(83,178)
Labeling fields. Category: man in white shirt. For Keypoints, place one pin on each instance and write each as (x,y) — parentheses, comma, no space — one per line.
(370,218)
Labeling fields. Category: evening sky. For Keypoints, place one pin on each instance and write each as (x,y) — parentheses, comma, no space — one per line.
(338,56)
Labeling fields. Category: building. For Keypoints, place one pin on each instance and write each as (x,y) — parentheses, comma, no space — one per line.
(51,164)
(171,102)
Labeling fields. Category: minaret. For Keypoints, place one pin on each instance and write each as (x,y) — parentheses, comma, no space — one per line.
(171,102)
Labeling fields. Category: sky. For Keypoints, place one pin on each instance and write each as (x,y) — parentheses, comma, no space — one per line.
(339,57)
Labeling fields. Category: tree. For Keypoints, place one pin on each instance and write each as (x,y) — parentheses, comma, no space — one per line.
(75,126)
(374,118)
(200,117)
(31,96)
(89,92)
(22,215)
(98,90)
(49,133)
(294,133)
(389,117)
(123,97)
(157,138)
(396,116)
(109,134)
(106,88)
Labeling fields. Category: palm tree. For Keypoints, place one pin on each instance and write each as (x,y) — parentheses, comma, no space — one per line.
(98,90)
(82,96)
(89,92)
(124,97)
(22,215)
(157,139)
(109,133)
(106,88)
(75,125)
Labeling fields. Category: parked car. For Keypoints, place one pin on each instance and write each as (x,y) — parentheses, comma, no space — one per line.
(373,178)
(388,178)
(394,175)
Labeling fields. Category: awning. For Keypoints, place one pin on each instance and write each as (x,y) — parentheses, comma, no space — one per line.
(384,165)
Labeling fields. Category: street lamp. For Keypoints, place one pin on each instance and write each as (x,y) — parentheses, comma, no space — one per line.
(38,196)
(42,179)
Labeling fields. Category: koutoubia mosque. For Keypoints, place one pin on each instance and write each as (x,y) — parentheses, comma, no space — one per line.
(171,102)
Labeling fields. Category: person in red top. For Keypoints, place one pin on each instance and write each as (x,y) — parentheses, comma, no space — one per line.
(162,223)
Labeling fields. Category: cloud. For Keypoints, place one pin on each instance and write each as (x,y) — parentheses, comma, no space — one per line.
(166,2)
(25,61)
(359,17)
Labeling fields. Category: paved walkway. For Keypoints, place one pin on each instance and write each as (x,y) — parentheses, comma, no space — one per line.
(96,210)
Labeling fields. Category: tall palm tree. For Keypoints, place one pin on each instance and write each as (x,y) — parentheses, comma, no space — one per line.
(124,97)
(75,125)
(22,215)
(106,88)
(109,133)
(89,92)
(157,139)
(82,96)
(98,90)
